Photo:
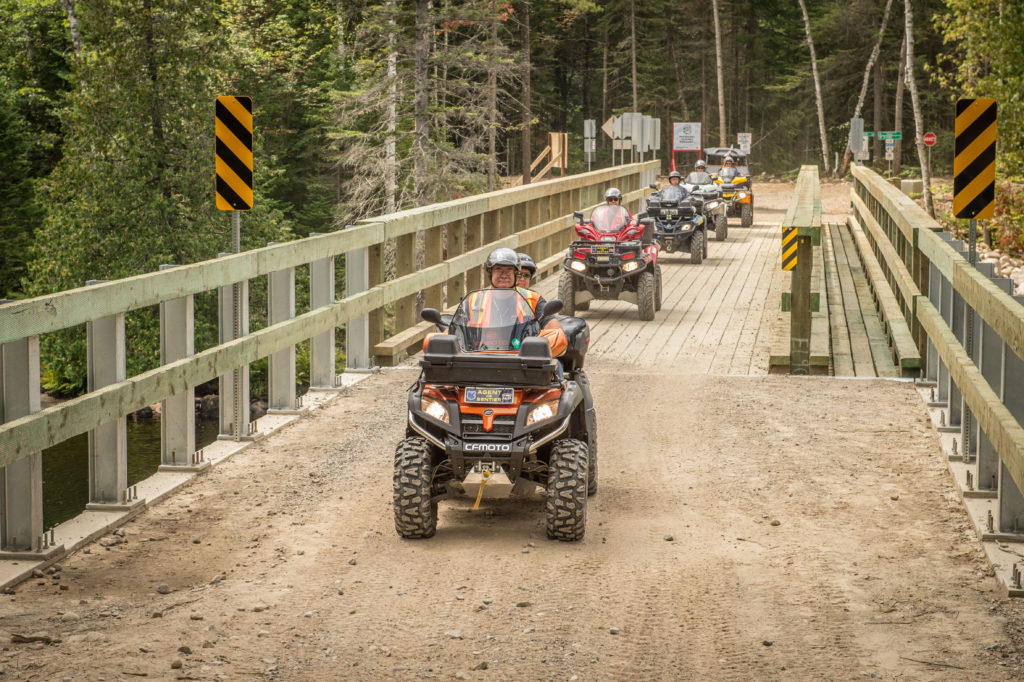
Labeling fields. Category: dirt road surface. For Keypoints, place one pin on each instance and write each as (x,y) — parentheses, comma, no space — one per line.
(746,527)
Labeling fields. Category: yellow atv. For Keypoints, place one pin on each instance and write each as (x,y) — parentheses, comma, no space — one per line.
(734,179)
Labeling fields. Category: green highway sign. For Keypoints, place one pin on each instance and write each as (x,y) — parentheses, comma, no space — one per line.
(869,134)
(890,135)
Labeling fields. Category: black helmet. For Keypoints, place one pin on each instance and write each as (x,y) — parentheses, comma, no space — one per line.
(613,193)
(526,263)
(700,164)
(502,256)
(675,174)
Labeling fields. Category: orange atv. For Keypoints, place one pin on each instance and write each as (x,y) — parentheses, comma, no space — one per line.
(489,417)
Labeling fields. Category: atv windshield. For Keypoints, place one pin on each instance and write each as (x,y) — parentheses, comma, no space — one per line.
(493,320)
(673,193)
(608,218)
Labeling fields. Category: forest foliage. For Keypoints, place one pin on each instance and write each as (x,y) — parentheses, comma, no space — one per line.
(367,106)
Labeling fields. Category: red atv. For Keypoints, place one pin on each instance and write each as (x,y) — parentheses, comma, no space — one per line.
(612,260)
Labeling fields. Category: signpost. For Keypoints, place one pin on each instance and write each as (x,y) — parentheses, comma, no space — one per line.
(589,146)
(929,139)
(233,179)
(685,138)
(743,141)
(974,196)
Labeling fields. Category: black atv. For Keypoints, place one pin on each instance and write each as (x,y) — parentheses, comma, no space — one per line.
(489,417)
(707,199)
(678,224)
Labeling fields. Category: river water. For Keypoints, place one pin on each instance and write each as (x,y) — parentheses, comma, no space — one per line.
(66,466)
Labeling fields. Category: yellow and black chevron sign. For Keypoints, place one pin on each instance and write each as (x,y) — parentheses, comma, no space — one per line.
(234,153)
(789,244)
(974,159)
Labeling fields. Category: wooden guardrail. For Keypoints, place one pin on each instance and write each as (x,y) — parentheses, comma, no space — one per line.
(803,215)
(456,237)
(937,292)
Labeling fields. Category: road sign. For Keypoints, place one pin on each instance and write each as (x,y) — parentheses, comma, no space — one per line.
(589,127)
(743,141)
(974,158)
(609,126)
(929,139)
(890,135)
(233,128)
(686,137)
(789,244)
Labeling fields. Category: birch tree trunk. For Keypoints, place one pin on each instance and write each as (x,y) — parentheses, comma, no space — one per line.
(421,122)
(604,84)
(527,116)
(918,118)
(876,142)
(76,37)
(390,151)
(721,75)
(817,88)
(897,120)
(632,48)
(492,103)
(867,79)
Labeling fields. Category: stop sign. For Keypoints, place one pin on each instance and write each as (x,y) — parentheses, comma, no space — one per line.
(929,139)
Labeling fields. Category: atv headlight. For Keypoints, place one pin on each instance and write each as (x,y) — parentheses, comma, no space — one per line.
(629,266)
(741,195)
(712,205)
(541,412)
(435,409)
(578,266)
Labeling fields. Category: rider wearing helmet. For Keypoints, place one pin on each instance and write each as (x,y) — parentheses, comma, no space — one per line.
(503,268)
(613,197)
(729,170)
(700,175)
(674,191)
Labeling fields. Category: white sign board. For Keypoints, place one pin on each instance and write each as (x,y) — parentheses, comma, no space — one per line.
(686,137)
(743,141)
(589,127)
(865,150)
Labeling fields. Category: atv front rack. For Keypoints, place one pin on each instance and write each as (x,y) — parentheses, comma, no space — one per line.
(444,363)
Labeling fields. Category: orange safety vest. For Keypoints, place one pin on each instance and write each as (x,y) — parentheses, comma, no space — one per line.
(531,296)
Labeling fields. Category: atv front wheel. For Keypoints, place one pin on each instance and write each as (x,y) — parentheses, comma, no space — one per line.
(697,247)
(721,227)
(567,491)
(657,288)
(747,214)
(415,514)
(645,296)
(567,292)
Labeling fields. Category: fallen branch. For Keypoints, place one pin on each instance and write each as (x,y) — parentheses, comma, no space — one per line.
(941,665)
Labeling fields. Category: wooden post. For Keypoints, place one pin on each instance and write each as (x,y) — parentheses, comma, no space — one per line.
(455,237)
(432,254)
(474,240)
(375,266)
(800,313)
(405,263)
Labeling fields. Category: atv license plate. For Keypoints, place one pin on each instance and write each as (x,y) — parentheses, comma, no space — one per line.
(671,213)
(491,396)
(603,248)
